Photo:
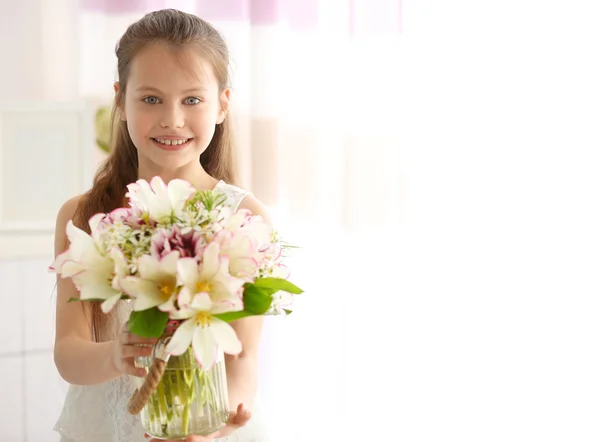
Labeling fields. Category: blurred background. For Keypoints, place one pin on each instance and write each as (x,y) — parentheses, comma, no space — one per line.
(436,162)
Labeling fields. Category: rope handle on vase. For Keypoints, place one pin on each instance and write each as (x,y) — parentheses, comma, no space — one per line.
(141,395)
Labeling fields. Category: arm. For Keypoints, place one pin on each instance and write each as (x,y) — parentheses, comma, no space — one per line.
(242,370)
(78,359)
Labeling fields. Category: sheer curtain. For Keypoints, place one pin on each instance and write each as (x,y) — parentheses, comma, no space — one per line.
(437,161)
(317,110)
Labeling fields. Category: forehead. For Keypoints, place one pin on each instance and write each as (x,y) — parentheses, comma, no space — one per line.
(168,68)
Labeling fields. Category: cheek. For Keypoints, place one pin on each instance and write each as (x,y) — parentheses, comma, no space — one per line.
(138,120)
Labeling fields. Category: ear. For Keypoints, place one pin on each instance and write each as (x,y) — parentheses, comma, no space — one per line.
(118,98)
(224,105)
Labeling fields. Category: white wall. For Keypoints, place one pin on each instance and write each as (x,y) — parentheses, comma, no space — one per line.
(32,390)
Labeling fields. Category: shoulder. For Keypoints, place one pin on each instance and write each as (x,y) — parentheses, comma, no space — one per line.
(244,199)
(254,205)
(69,208)
(66,213)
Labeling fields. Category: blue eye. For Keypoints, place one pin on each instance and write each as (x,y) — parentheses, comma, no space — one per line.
(151,100)
(192,100)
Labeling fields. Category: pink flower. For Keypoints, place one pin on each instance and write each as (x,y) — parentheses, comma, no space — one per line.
(124,215)
(189,245)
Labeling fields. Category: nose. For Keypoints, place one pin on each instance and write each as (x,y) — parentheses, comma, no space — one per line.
(173,116)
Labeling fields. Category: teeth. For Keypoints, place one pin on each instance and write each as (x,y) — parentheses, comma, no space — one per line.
(171,142)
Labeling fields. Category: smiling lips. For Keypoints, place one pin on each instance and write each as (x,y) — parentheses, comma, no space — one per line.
(171,143)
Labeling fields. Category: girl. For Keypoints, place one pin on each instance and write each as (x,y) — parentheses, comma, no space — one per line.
(171,104)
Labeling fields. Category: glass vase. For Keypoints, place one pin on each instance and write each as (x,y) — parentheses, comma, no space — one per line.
(188,399)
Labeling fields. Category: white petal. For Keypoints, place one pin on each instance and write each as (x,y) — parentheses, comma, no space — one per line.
(134,286)
(226,287)
(159,187)
(96,262)
(139,194)
(187,271)
(118,258)
(168,263)
(235,221)
(234,304)
(145,292)
(210,262)
(145,198)
(79,240)
(71,268)
(108,305)
(182,313)
(160,206)
(93,286)
(201,302)
(181,339)
(147,300)
(94,222)
(280,271)
(179,191)
(168,306)
(242,246)
(205,347)
(59,261)
(225,336)
(242,267)
(184,299)
(148,267)
(223,238)
(257,228)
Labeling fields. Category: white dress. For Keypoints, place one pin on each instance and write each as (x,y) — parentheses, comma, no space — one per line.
(98,413)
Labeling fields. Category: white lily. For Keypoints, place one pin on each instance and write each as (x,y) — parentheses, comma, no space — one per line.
(160,201)
(252,225)
(91,271)
(212,277)
(241,251)
(156,285)
(205,332)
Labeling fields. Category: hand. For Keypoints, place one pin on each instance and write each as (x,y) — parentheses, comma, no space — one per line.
(127,347)
(237,419)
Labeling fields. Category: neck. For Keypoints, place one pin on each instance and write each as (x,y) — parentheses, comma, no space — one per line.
(193,173)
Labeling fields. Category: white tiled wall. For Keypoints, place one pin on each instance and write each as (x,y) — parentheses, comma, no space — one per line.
(31,389)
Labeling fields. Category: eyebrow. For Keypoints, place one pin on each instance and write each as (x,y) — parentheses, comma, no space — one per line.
(153,89)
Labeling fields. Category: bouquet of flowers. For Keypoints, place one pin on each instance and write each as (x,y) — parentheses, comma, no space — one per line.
(189,265)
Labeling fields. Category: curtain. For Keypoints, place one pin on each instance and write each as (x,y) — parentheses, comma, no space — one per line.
(316,105)
(437,163)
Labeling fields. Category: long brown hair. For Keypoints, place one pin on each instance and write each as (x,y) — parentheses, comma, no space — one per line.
(179,30)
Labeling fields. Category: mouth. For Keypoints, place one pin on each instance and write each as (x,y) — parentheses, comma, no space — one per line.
(171,143)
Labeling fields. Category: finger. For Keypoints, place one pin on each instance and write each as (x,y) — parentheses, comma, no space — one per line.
(134,351)
(131,369)
(194,438)
(241,416)
(130,338)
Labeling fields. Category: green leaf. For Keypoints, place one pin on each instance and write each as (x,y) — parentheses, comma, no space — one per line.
(287,312)
(232,316)
(256,300)
(148,323)
(86,300)
(272,285)
(94,299)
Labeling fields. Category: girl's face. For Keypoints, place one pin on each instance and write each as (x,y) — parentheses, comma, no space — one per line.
(171,108)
